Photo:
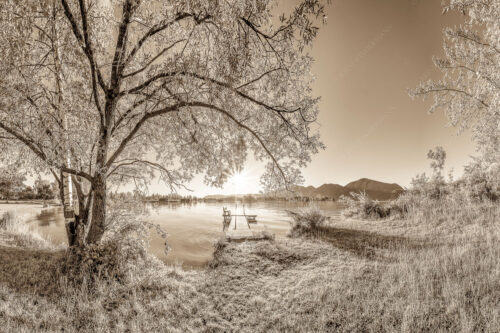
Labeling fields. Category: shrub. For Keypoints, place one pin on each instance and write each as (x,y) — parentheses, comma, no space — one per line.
(122,251)
(308,221)
(427,196)
(8,221)
(359,205)
(111,260)
(482,182)
(265,235)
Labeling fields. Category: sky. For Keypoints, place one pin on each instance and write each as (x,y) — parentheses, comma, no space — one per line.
(366,58)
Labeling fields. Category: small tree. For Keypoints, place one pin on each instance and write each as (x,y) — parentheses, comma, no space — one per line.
(27,193)
(469,91)
(163,87)
(43,190)
(438,158)
(11,184)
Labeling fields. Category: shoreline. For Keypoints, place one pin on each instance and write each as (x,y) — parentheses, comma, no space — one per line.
(352,276)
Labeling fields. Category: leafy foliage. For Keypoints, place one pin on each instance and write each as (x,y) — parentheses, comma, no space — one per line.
(12,187)
(469,91)
(10,183)
(183,87)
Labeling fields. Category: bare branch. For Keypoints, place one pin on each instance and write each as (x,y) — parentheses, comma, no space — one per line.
(153,59)
(86,46)
(153,31)
(207,79)
(136,128)
(449,89)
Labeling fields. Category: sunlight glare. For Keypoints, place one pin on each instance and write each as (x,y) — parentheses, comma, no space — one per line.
(240,182)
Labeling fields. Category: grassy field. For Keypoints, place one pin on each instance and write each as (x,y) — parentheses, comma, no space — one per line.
(438,271)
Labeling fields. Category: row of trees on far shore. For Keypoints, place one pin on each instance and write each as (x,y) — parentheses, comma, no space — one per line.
(13,187)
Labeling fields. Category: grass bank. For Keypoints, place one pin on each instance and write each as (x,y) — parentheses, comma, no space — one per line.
(431,273)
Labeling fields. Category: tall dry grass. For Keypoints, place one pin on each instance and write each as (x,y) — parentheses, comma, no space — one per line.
(309,221)
(450,285)
(113,287)
(18,233)
(437,270)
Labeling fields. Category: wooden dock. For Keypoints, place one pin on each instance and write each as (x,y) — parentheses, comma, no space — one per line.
(237,228)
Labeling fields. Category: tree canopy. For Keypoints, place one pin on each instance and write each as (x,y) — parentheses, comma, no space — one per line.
(469,91)
(116,90)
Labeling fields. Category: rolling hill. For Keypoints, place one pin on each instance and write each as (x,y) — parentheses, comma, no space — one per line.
(374,189)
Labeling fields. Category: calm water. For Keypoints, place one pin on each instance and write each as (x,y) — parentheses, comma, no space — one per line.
(192,229)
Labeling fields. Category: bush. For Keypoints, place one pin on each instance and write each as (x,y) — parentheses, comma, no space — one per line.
(359,205)
(7,221)
(111,260)
(122,251)
(308,221)
(480,185)
(481,182)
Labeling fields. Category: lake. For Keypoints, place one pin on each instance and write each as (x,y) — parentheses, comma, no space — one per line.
(192,228)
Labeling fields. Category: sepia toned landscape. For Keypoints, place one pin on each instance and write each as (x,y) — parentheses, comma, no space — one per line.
(249,166)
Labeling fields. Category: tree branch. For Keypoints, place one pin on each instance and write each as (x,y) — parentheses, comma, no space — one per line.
(240,124)
(128,162)
(133,107)
(176,107)
(152,60)
(463,35)
(210,80)
(153,31)
(38,152)
(136,128)
(259,78)
(446,89)
(86,46)
(121,42)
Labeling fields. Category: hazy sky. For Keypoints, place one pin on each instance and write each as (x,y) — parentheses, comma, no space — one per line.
(367,56)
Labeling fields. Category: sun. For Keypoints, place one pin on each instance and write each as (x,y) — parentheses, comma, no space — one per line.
(239,183)
(238,180)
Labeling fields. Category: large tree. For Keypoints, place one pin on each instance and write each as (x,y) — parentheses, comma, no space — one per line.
(117,90)
(469,91)
(11,183)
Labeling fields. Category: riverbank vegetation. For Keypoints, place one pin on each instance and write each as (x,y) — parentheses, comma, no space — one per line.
(434,270)
(13,187)
(425,262)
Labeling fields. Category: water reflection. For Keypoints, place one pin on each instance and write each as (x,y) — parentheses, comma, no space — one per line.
(50,216)
(192,228)
(50,223)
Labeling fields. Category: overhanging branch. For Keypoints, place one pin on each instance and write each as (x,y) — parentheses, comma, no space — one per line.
(39,153)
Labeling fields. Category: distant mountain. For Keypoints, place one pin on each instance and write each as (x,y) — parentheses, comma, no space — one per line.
(326,190)
(374,189)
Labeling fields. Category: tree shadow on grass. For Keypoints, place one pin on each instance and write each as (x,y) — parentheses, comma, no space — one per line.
(29,269)
(367,244)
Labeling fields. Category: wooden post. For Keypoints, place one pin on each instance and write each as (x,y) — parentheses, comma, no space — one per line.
(246,218)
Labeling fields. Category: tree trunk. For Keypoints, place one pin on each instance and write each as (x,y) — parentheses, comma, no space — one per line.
(98,210)
(70,227)
(82,217)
